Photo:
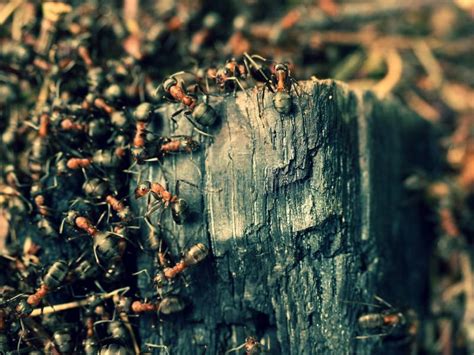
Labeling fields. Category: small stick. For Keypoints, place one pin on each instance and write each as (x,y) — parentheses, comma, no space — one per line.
(393,76)
(8,9)
(76,304)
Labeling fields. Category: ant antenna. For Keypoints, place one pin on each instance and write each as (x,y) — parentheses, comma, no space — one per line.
(381,300)
(235,349)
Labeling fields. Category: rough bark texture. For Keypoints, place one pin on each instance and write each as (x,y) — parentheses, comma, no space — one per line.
(310,218)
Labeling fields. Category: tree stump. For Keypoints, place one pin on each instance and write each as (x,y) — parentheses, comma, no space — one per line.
(305,216)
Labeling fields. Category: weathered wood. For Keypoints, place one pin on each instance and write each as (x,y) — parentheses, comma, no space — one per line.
(310,217)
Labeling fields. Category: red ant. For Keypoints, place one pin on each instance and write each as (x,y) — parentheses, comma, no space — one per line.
(106,244)
(198,113)
(167,305)
(233,71)
(53,279)
(143,114)
(388,321)
(193,256)
(251,346)
(179,207)
(230,73)
(123,211)
(280,76)
(39,150)
(102,158)
(282,98)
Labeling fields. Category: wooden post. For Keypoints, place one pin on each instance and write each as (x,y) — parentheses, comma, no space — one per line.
(305,215)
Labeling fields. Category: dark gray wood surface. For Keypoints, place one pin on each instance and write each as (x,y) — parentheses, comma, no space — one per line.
(305,215)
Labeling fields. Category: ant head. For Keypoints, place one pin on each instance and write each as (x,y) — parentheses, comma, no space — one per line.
(168,83)
(142,189)
(160,280)
(281,67)
(71,217)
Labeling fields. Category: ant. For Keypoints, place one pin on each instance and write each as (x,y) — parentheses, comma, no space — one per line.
(155,243)
(177,144)
(63,340)
(193,256)
(166,305)
(123,211)
(226,76)
(52,280)
(279,79)
(67,124)
(251,346)
(388,320)
(103,158)
(233,71)
(106,245)
(140,148)
(90,344)
(197,113)
(117,117)
(143,114)
(39,148)
(284,82)
(179,207)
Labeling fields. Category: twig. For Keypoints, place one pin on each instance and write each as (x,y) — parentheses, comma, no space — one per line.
(393,76)
(430,63)
(468,279)
(452,292)
(8,9)
(421,107)
(71,305)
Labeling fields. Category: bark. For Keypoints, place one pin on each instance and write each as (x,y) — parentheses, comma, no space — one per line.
(305,215)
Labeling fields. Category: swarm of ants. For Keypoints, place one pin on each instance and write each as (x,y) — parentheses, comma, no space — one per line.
(77,122)
(81,85)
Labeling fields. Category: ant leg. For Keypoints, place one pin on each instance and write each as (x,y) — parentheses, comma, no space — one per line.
(178,73)
(102,215)
(207,84)
(142,271)
(155,92)
(61,226)
(258,68)
(193,185)
(261,105)
(295,86)
(153,208)
(361,337)
(238,83)
(235,349)
(96,257)
(259,57)
(158,346)
(176,114)
(152,160)
(129,170)
(381,300)
(196,127)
